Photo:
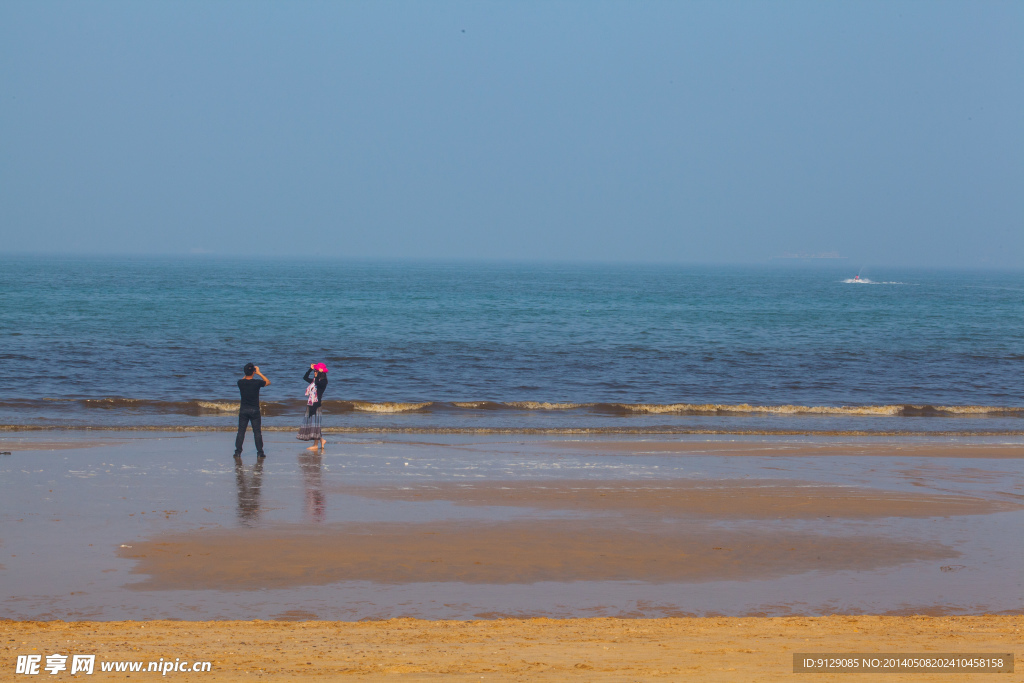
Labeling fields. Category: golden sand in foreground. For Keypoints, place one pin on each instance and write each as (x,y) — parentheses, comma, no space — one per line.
(707,649)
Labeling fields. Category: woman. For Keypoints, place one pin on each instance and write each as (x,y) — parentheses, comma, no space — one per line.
(310,429)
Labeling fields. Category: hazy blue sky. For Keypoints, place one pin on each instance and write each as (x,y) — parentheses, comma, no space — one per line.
(892,132)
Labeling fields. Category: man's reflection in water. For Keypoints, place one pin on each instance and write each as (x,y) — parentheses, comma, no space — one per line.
(249,492)
(310,462)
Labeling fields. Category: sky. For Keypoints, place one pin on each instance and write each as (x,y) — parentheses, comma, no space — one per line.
(714,132)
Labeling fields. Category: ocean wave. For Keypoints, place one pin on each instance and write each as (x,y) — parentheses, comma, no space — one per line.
(194,407)
(748,409)
(389,407)
(219,406)
(570,431)
(543,405)
(199,407)
(898,410)
(479,405)
(114,402)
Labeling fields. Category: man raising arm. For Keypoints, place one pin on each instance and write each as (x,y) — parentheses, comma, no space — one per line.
(249,408)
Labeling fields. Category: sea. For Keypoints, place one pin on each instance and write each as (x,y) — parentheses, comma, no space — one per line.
(158,343)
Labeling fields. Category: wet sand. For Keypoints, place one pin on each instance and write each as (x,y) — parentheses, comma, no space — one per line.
(521,552)
(739,448)
(714,499)
(714,649)
(15,445)
(161,526)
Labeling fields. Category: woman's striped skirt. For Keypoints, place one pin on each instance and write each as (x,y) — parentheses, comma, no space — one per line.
(310,429)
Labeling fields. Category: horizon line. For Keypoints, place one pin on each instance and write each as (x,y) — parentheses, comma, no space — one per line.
(797,260)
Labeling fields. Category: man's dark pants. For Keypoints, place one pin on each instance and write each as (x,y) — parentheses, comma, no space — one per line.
(245,416)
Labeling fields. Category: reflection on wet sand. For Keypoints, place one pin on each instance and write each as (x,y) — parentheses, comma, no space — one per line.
(311,465)
(513,552)
(248,484)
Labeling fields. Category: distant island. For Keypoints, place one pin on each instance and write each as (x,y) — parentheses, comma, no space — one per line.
(804,256)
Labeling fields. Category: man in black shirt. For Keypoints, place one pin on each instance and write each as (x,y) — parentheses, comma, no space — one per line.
(249,409)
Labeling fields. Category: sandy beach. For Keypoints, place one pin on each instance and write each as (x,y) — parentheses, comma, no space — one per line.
(524,558)
(708,649)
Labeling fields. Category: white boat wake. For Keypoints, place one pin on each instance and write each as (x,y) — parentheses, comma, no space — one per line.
(866,281)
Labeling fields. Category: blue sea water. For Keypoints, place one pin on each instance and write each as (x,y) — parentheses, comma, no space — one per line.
(148,341)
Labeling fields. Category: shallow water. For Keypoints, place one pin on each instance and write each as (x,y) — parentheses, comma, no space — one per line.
(68,515)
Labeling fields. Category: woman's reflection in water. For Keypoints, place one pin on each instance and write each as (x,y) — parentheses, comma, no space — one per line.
(310,463)
(249,492)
